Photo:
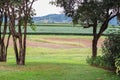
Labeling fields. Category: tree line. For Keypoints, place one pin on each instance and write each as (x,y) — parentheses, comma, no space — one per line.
(15,15)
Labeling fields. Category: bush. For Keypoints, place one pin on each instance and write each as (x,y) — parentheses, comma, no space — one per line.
(110,58)
(111,48)
(97,61)
(117,65)
(100,62)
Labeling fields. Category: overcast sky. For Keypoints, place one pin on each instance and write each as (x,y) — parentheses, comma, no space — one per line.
(43,7)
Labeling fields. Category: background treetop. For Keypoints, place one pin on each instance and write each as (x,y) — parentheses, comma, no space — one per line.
(89,10)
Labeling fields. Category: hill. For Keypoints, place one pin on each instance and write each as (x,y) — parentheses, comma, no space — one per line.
(61,18)
(52,18)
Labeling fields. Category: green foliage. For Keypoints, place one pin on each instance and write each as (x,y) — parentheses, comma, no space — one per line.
(117,65)
(98,61)
(31,23)
(111,47)
(87,11)
(111,53)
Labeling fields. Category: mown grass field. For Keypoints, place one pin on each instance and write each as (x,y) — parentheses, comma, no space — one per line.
(54,64)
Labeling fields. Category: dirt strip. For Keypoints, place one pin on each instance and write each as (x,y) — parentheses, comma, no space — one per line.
(86,42)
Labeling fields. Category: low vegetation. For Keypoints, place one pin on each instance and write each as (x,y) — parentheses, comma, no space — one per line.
(110,58)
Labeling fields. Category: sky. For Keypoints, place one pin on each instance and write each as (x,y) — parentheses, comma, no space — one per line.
(42,8)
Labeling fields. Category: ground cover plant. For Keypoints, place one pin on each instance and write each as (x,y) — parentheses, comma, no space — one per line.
(54,64)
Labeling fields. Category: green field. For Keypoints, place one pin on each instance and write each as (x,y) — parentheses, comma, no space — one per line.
(54,64)
(60,30)
(64,29)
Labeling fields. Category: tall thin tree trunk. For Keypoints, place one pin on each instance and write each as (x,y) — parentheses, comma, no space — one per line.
(22,19)
(1,17)
(95,40)
(3,51)
(15,49)
(24,41)
(94,47)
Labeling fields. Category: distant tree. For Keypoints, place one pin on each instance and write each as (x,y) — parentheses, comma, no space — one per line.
(90,13)
(19,13)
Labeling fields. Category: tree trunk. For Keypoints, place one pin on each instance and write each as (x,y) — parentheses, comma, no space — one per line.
(3,53)
(94,47)
(21,59)
(3,48)
(15,49)
(23,12)
(19,52)
(95,40)
(3,56)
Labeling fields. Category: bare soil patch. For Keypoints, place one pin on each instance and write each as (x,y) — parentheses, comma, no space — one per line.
(49,45)
(86,42)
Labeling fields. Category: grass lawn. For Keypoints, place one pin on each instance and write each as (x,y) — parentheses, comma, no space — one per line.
(54,64)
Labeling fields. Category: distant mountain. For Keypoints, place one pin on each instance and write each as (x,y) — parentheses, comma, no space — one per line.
(52,18)
(61,18)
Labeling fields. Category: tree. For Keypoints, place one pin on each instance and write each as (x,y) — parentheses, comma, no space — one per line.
(3,29)
(19,13)
(91,13)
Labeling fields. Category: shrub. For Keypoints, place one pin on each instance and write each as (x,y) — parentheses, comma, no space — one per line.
(111,48)
(117,65)
(110,58)
(99,61)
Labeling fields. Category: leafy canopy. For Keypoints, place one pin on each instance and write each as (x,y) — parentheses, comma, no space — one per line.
(87,11)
